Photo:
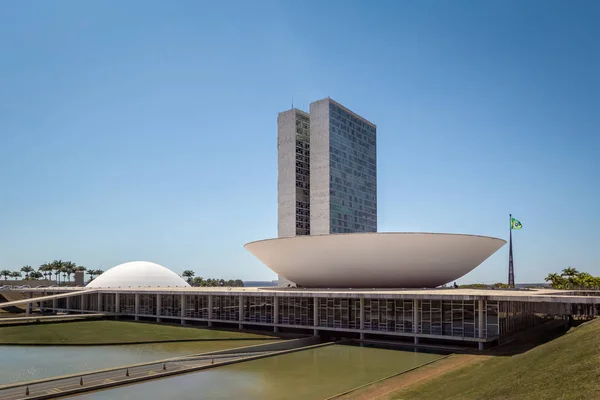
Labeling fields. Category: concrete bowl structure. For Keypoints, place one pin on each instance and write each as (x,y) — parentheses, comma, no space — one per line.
(138,274)
(375,260)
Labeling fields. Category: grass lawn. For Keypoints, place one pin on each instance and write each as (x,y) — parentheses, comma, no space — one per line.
(110,332)
(565,368)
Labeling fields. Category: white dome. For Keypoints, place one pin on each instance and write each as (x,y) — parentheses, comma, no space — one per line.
(138,274)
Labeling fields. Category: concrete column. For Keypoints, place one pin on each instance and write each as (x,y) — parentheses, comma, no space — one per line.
(315,315)
(276,313)
(241,311)
(28,306)
(210,310)
(182,305)
(54,304)
(42,303)
(158,307)
(67,303)
(416,319)
(99,302)
(137,306)
(117,303)
(362,317)
(480,320)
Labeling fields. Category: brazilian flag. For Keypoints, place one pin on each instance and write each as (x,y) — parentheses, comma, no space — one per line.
(515,224)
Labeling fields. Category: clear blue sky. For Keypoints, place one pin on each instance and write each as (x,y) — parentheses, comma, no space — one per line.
(146,130)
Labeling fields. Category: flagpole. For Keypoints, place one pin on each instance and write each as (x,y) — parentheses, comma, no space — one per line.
(511,271)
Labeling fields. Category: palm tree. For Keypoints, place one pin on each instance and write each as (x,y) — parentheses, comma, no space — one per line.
(5,273)
(35,275)
(63,270)
(91,273)
(571,274)
(189,275)
(556,281)
(27,270)
(587,280)
(15,274)
(69,269)
(56,267)
(45,269)
(98,272)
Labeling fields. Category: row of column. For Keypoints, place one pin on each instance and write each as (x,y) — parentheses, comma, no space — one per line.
(481,319)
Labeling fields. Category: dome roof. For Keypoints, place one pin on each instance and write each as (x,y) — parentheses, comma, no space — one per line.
(138,274)
(374,260)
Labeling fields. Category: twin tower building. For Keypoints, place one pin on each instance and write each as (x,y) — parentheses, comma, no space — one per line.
(327,179)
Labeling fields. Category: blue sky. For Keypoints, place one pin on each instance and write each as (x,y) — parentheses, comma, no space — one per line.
(146,130)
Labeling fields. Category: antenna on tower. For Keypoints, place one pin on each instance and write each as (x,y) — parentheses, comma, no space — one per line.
(292,102)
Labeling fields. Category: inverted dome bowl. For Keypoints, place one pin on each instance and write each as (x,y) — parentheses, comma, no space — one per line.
(375,260)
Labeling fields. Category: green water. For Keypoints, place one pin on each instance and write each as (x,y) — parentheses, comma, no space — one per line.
(24,363)
(310,374)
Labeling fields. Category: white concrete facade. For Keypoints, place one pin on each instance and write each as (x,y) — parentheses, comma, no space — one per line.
(286,173)
(293,141)
(319,168)
(138,274)
(375,260)
(483,316)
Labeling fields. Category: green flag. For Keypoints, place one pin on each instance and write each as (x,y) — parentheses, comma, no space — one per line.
(515,224)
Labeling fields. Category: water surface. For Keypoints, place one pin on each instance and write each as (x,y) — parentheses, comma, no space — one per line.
(304,375)
(24,363)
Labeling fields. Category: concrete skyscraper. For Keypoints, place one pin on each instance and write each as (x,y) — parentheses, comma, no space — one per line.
(293,182)
(327,171)
(343,170)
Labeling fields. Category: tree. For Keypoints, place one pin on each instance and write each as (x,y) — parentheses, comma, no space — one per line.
(63,272)
(569,271)
(46,270)
(570,278)
(6,274)
(556,281)
(69,269)
(35,275)
(189,275)
(570,274)
(198,281)
(91,273)
(15,274)
(27,270)
(501,285)
(56,267)
(210,282)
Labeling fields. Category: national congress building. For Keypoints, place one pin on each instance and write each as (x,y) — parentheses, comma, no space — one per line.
(351,280)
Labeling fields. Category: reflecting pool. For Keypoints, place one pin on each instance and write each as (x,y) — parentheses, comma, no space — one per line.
(310,374)
(24,363)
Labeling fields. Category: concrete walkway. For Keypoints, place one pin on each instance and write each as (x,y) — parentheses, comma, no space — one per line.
(46,298)
(51,317)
